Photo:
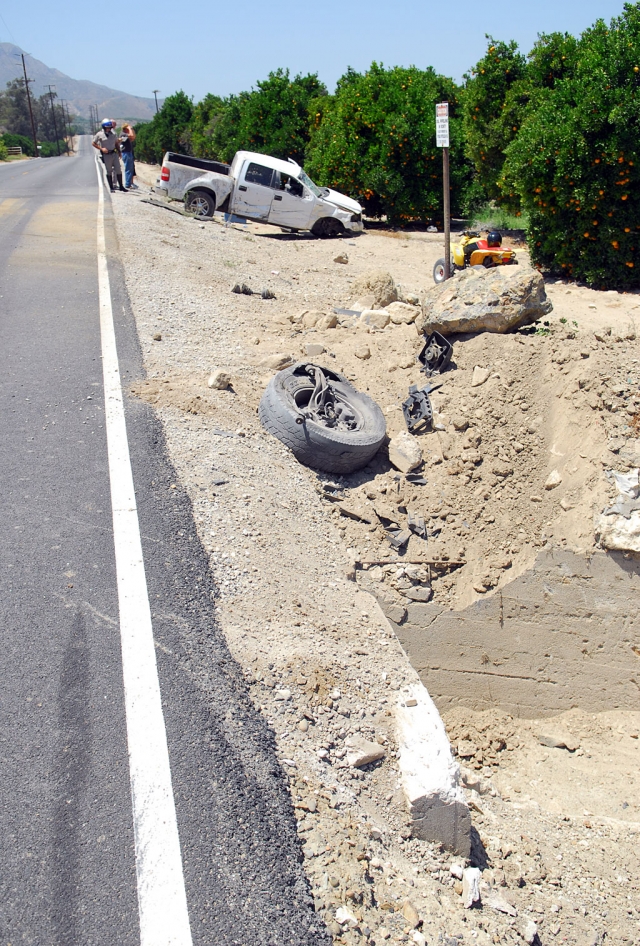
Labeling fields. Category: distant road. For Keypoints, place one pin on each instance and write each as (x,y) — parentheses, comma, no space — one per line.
(68,855)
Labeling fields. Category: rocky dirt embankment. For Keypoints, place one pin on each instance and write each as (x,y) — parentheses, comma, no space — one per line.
(323,664)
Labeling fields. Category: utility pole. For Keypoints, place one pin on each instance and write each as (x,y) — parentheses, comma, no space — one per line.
(155,93)
(67,123)
(33,124)
(53,112)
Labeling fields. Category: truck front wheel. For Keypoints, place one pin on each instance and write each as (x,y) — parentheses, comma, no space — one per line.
(200,203)
(327,227)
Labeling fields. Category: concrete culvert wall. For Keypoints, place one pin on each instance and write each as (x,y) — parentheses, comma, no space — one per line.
(564,634)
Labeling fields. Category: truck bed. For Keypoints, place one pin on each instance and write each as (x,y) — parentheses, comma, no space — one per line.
(202,164)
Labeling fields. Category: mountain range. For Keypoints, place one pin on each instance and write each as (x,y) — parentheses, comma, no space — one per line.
(78,93)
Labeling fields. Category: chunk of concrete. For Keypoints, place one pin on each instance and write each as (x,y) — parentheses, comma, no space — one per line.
(276,362)
(480,375)
(470,887)
(405,452)
(430,775)
(401,313)
(375,318)
(361,752)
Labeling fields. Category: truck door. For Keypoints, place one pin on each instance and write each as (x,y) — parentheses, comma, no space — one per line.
(292,203)
(254,191)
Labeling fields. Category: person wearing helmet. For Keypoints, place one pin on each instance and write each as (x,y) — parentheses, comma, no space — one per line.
(494,239)
(106,142)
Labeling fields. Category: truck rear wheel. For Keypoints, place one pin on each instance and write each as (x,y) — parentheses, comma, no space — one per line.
(200,203)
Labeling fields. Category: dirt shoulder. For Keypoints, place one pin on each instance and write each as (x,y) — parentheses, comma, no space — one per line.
(321,660)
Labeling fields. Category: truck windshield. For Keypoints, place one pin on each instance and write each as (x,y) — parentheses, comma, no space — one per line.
(306,180)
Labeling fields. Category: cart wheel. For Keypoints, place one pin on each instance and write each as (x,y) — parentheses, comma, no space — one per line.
(439,271)
(488,262)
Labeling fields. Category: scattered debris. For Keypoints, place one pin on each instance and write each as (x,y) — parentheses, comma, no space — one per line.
(361,752)
(435,354)
(405,452)
(417,408)
(341,258)
(470,886)
(242,289)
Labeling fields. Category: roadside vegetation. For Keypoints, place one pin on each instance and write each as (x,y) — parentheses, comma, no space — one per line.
(546,142)
(15,122)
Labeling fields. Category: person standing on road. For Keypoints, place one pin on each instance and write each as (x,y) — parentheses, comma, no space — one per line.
(106,142)
(127,143)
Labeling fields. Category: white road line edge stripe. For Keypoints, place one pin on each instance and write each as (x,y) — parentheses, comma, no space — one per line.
(162,900)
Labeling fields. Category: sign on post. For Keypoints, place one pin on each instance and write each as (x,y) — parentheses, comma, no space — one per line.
(442,141)
(442,125)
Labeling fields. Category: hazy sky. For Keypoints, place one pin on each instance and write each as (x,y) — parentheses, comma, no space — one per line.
(225,47)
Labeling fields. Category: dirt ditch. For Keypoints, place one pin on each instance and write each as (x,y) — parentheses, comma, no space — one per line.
(554,801)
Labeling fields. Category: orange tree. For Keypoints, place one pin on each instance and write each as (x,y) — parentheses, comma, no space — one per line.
(575,160)
(375,140)
(271,119)
(487,128)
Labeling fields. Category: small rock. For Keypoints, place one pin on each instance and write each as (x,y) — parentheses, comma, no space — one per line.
(456,870)
(466,749)
(418,938)
(402,314)
(283,695)
(375,318)
(344,917)
(341,258)
(405,452)
(219,380)
(310,318)
(499,903)
(303,725)
(276,362)
(361,752)
(363,352)
(326,322)
(557,741)
(480,375)
(566,504)
(554,479)
(470,886)
(378,284)
(529,930)
(459,422)
(157,337)
(410,914)
(313,350)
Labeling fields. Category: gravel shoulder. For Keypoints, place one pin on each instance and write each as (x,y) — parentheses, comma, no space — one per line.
(321,661)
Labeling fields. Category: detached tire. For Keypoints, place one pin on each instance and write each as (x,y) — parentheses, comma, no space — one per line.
(200,203)
(330,449)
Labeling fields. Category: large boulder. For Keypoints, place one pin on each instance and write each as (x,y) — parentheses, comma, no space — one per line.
(377,284)
(484,300)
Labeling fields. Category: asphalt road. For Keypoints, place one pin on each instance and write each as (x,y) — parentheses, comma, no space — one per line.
(67,849)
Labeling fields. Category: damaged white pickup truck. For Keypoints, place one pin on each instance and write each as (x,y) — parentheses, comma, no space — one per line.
(260,188)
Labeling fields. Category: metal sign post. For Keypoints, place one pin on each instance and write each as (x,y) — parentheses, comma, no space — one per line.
(442,141)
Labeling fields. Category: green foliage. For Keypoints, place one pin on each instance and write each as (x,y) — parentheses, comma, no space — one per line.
(197,137)
(49,149)
(491,217)
(489,122)
(18,141)
(4,154)
(14,108)
(375,140)
(166,129)
(271,119)
(576,160)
